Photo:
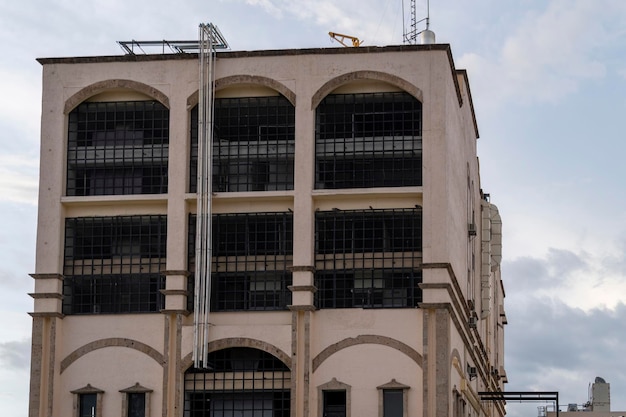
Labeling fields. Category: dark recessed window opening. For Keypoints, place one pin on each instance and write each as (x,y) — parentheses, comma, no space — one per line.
(368,258)
(113,264)
(136,404)
(368,140)
(393,403)
(117,148)
(87,405)
(252,253)
(334,403)
(253,144)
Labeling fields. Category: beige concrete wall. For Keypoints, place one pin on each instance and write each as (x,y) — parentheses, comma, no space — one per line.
(361,348)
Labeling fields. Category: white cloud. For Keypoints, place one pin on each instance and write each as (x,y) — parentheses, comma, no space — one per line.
(18,179)
(268,6)
(550,53)
(582,279)
(15,354)
(363,19)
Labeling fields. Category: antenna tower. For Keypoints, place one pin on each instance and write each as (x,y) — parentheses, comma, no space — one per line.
(411,36)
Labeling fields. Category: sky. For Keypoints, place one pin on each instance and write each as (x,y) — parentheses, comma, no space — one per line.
(548,80)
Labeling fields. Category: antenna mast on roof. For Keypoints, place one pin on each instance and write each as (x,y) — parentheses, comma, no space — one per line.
(413,36)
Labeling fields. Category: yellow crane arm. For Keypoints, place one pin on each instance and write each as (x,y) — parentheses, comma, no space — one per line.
(341,38)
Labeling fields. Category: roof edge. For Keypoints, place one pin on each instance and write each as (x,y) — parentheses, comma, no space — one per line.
(244,54)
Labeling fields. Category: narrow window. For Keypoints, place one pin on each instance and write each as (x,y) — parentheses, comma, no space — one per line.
(136,401)
(392,398)
(393,403)
(88,405)
(87,402)
(333,399)
(334,404)
(136,404)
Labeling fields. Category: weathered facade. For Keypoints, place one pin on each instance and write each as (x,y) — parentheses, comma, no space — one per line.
(355,258)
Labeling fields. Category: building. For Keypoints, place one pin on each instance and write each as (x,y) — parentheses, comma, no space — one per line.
(598,404)
(355,258)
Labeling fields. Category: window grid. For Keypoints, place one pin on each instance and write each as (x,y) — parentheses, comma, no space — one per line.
(368,258)
(113,264)
(253,144)
(252,254)
(117,148)
(238,381)
(368,140)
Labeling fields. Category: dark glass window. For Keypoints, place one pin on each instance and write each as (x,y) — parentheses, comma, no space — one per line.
(393,403)
(136,404)
(117,148)
(252,253)
(368,140)
(334,403)
(113,264)
(253,144)
(238,382)
(87,405)
(368,258)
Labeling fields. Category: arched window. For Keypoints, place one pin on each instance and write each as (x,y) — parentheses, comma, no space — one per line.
(253,144)
(366,140)
(238,382)
(117,148)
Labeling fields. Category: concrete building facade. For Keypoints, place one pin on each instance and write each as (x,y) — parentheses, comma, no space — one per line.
(355,257)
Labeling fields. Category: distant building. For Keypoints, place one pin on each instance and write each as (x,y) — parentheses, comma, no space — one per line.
(355,259)
(598,404)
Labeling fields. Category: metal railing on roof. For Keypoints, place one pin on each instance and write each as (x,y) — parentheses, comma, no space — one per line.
(134,47)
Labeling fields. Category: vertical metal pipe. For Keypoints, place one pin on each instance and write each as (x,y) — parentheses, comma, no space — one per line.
(209,39)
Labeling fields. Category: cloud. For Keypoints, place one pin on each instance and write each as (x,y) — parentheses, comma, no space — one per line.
(15,354)
(584,279)
(564,348)
(550,53)
(18,178)
(363,19)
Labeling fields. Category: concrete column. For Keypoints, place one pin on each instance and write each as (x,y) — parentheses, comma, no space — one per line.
(300,362)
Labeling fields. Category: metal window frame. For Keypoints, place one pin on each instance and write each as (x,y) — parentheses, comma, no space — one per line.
(239,374)
(247,248)
(117,148)
(103,275)
(365,140)
(368,258)
(244,157)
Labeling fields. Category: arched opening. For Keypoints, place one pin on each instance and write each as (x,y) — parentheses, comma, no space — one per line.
(117,147)
(253,144)
(368,139)
(238,381)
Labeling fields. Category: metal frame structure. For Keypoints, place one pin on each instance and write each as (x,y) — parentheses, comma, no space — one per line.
(410,36)
(133,47)
(522,396)
(209,40)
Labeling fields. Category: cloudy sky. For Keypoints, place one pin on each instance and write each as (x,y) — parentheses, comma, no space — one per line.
(548,79)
